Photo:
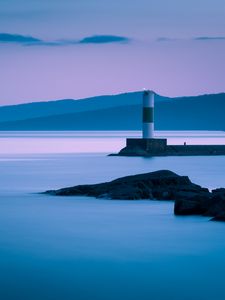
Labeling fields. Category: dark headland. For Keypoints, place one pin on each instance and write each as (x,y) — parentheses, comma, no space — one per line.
(190,198)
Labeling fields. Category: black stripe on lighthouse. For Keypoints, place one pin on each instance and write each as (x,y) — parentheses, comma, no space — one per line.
(148,114)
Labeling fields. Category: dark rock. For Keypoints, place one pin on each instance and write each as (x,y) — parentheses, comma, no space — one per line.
(193,202)
(220,217)
(160,185)
(187,207)
(217,205)
(205,203)
(190,198)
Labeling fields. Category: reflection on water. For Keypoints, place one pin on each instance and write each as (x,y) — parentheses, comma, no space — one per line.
(93,141)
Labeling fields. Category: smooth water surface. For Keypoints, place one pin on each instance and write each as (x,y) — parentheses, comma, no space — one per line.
(83,248)
(25,142)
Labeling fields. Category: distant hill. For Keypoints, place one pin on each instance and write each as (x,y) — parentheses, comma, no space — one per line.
(48,108)
(119,112)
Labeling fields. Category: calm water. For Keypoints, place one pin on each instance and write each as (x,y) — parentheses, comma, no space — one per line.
(83,248)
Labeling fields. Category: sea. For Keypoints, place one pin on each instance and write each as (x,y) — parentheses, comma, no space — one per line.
(82,248)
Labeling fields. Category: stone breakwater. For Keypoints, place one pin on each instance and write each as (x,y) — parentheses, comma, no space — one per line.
(190,198)
(159,147)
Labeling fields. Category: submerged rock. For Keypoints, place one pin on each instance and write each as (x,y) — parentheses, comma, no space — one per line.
(190,198)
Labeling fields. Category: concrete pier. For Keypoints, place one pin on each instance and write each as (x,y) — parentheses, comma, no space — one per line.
(159,147)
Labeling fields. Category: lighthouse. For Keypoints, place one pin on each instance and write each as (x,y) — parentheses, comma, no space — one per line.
(148,115)
(148,144)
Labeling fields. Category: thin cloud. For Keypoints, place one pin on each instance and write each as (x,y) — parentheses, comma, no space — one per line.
(166,39)
(104,39)
(32,41)
(199,38)
(17,38)
(209,38)
(57,43)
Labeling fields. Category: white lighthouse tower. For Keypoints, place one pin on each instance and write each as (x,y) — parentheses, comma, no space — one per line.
(148,115)
(148,144)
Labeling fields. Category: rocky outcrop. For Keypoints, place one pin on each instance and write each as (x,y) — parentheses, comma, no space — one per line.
(159,185)
(206,204)
(217,205)
(190,198)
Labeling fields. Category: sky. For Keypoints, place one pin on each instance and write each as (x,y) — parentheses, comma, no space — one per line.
(80,48)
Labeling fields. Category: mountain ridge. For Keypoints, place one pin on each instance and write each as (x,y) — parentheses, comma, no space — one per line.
(124,112)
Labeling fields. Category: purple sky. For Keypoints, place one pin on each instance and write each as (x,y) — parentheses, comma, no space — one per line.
(174,47)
